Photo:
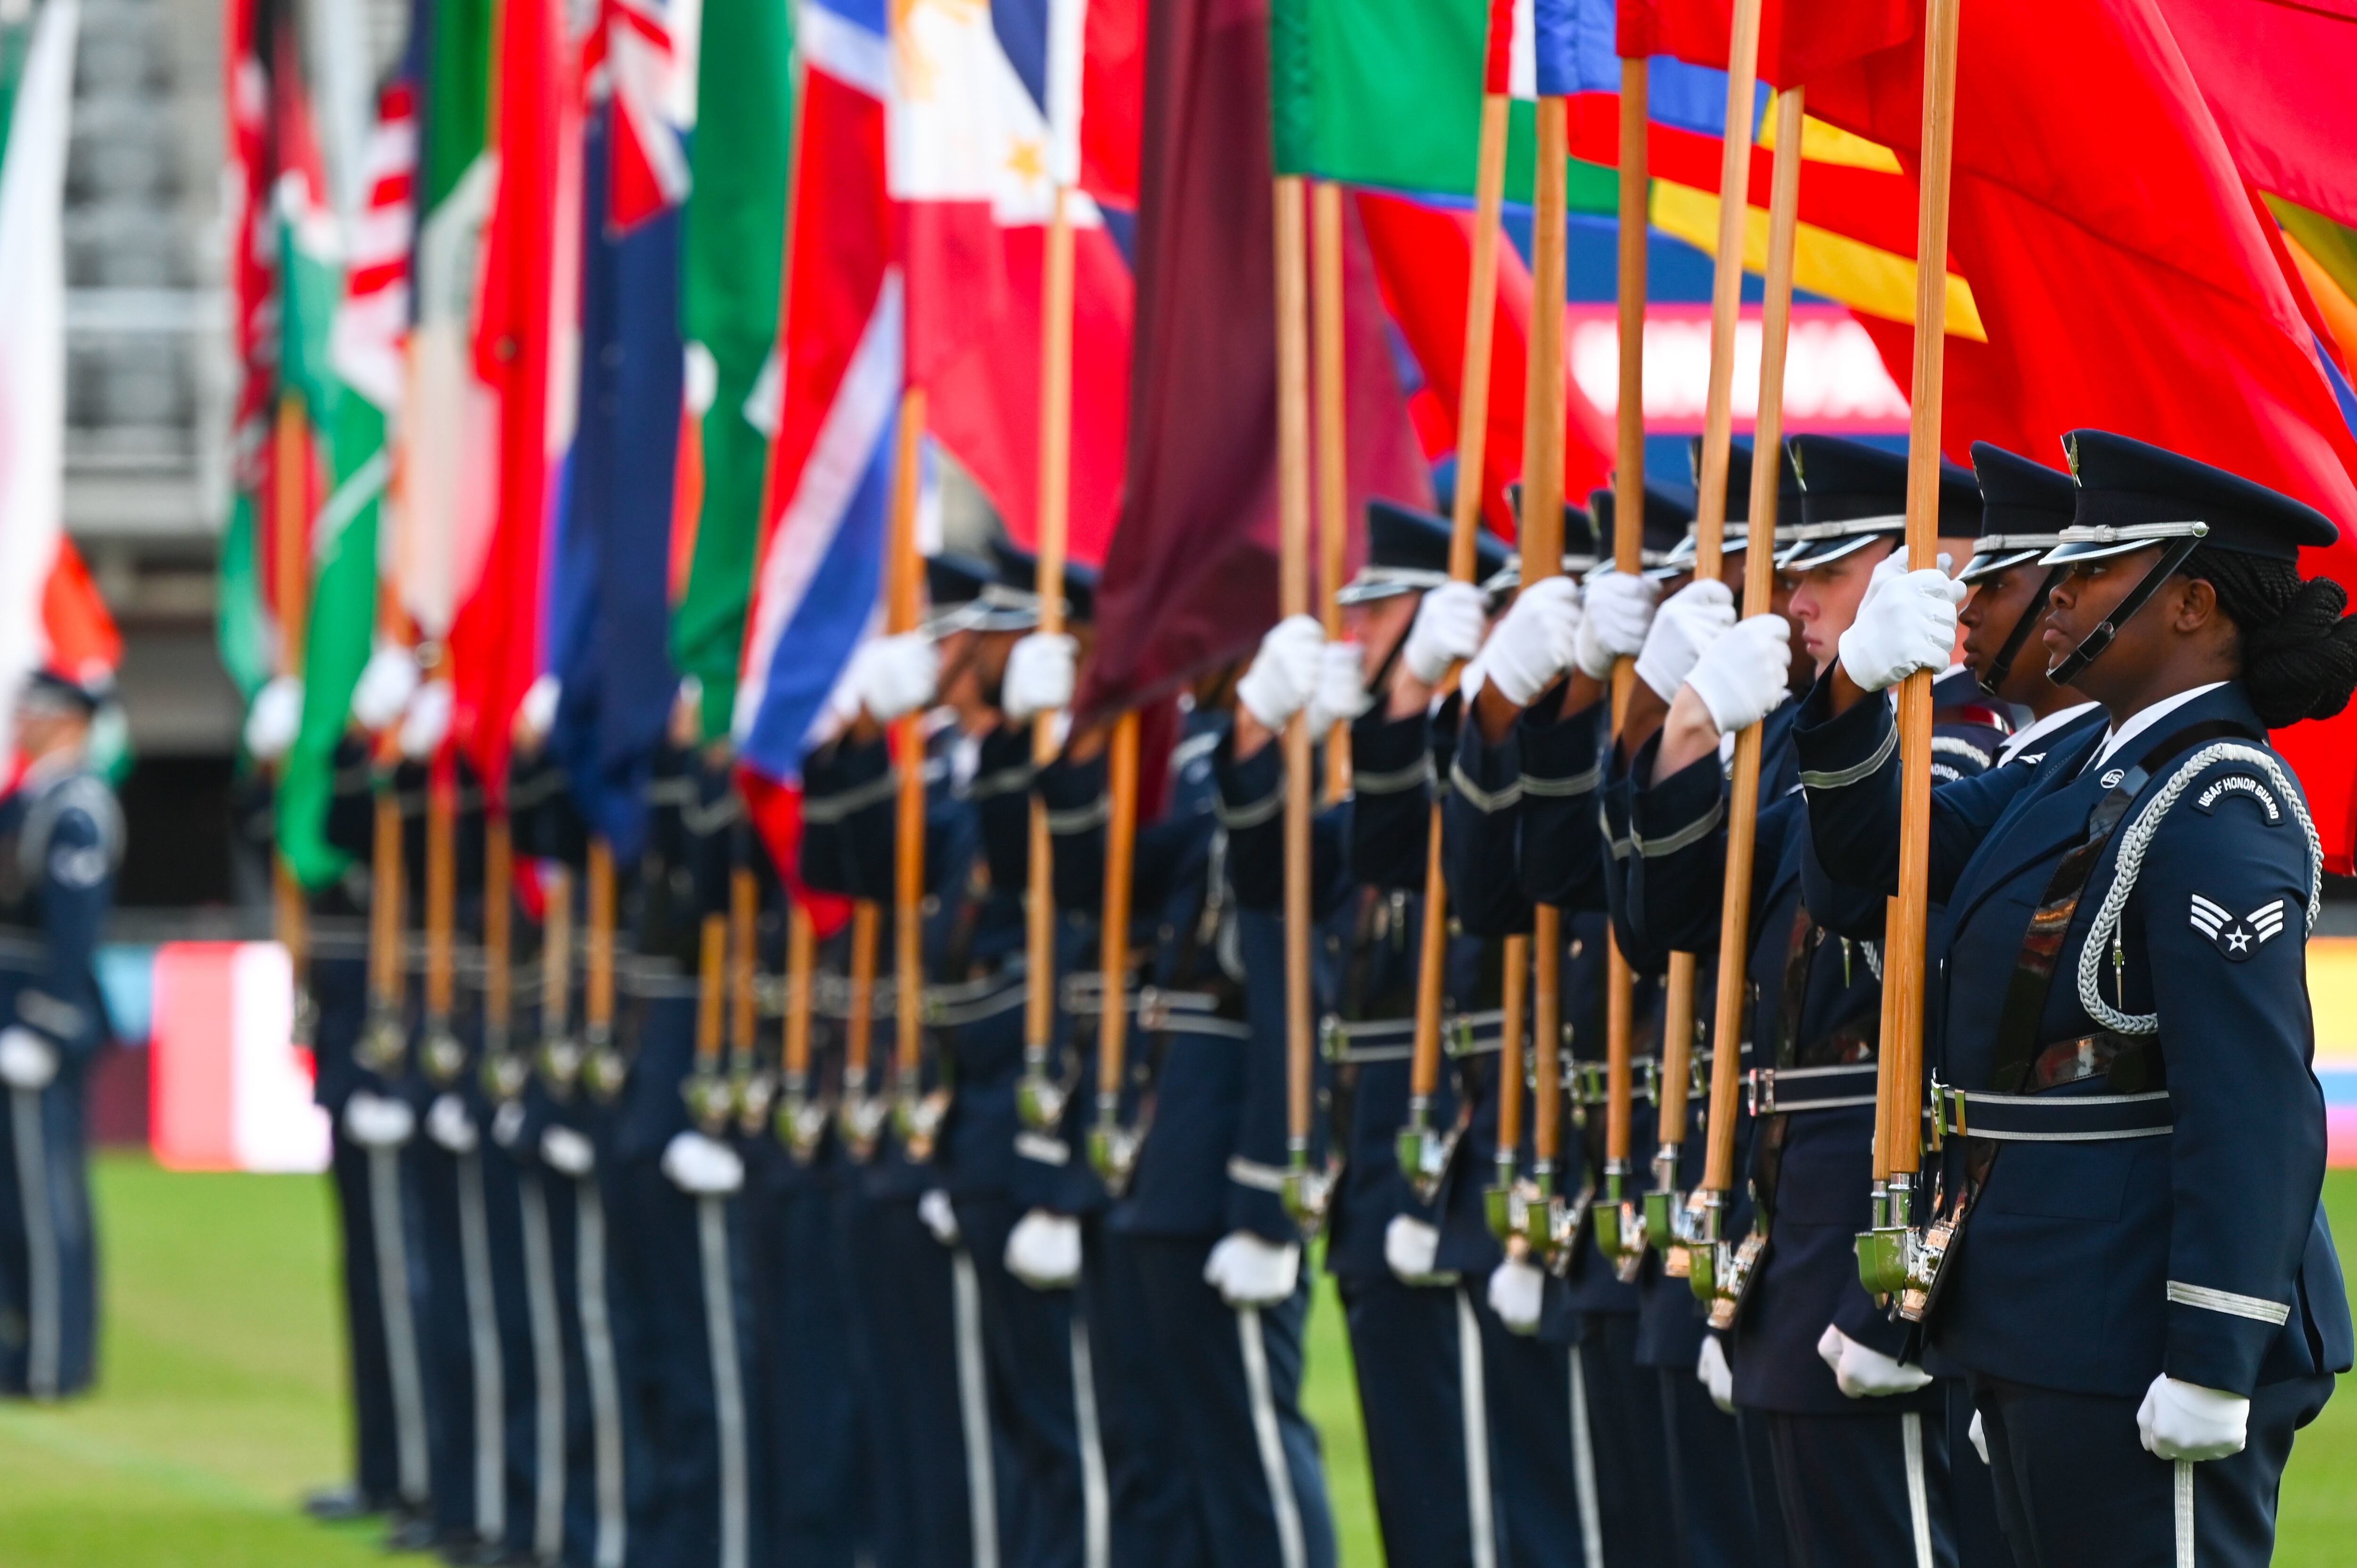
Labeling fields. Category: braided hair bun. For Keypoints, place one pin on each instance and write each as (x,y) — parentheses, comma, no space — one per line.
(2299,648)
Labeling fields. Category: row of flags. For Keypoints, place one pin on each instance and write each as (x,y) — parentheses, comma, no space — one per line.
(578,347)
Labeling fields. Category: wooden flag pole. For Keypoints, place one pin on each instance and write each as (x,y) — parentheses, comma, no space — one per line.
(1883,1263)
(503,1071)
(556,960)
(1422,1153)
(862,1114)
(903,573)
(1333,449)
(600,1058)
(384,1044)
(743,907)
(711,993)
(1541,541)
(1040,1100)
(1113,1150)
(443,1057)
(802,1120)
(1303,1194)
(1743,790)
(291,557)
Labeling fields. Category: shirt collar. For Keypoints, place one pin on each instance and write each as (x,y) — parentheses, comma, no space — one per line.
(2144,719)
(2038,729)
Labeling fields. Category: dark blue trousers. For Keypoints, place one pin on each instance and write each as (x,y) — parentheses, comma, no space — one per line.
(1255,1454)
(518,1359)
(2074,1485)
(815,1486)
(1404,1349)
(49,1252)
(1972,1489)
(1142,1394)
(1030,1338)
(1528,1385)
(465,1405)
(689,1255)
(1631,1448)
(1713,1522)
(1851,1485)
(376,1431)
(937,1466)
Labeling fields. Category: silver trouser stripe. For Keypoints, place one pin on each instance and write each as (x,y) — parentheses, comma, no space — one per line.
(386,1221)
(1583,1469)
(483,1350)
(1096,1496)
(548,1372)
(605,1383)
(728,1382)
(973,1413)
(1919,1502)
(44,1303)
(1480,1517)
(1292,1547)
(2257,1308)
(2185,1513)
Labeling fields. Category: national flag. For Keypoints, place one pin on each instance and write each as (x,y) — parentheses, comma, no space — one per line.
(729,287)
(365,370)
(609,603)
(2275,75)
(993,107)
(524,351)
(645,66)
(1190,578)
(240,628)
(32,334)
(820,561)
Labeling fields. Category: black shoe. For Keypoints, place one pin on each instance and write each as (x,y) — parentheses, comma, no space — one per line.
(340,1505)
(409,1532)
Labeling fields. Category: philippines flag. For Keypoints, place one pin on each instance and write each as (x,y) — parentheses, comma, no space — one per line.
(820,561)
(993,108)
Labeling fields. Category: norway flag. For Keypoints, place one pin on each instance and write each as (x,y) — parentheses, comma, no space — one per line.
(820,561)
(992,108)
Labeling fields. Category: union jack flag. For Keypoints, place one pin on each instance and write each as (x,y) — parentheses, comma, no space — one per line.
(647,78)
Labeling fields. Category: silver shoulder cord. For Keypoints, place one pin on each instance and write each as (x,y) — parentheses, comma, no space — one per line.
(2106,930)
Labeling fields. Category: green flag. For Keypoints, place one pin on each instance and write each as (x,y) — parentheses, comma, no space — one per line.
(735,240)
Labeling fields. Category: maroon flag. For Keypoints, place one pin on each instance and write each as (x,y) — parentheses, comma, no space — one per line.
(1190,577)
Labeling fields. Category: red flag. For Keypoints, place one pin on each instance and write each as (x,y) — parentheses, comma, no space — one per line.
(1696,31)
(528,299)
(1424,258)
(2279,77)
(1190,578)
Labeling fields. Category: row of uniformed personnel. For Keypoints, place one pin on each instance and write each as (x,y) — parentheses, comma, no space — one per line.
(609,1308)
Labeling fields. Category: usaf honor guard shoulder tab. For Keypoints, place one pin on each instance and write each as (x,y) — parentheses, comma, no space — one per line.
(2238,787)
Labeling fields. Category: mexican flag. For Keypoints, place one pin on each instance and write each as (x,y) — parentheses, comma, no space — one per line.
(735,246)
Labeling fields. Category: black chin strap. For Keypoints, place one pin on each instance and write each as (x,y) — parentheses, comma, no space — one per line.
(2074,665)
(2002,665)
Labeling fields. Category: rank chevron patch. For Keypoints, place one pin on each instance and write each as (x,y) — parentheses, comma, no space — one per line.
(2237,936)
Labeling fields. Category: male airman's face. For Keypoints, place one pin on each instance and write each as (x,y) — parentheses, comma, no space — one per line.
(1825,599)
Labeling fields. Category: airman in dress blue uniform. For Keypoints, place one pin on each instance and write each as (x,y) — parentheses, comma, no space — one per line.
(1859,1472)
(2126,1252)
(61,841)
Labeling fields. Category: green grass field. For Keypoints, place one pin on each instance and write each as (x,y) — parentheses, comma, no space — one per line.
(221,1402)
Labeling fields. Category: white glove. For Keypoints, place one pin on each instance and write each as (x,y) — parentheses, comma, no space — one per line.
(447,1124)
(567,1150)
(1042,669)
(1446,631)
(895,675)
(426,722)
(1906,622)
(1284,673)
(1864,1372)
(1411,1246)
(1515,1289)
(934,1208)
(1536,643)
(2185,1420)
(379,1122)
(1342,694)
(387,683)
(536,714)
(1695,616)
(1618,613)
(1249,1269)
(1742,678)
(1043,1251)
(27,1060)
(271,723)
(705,1167)
(1715,1375)
(1979,1435)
